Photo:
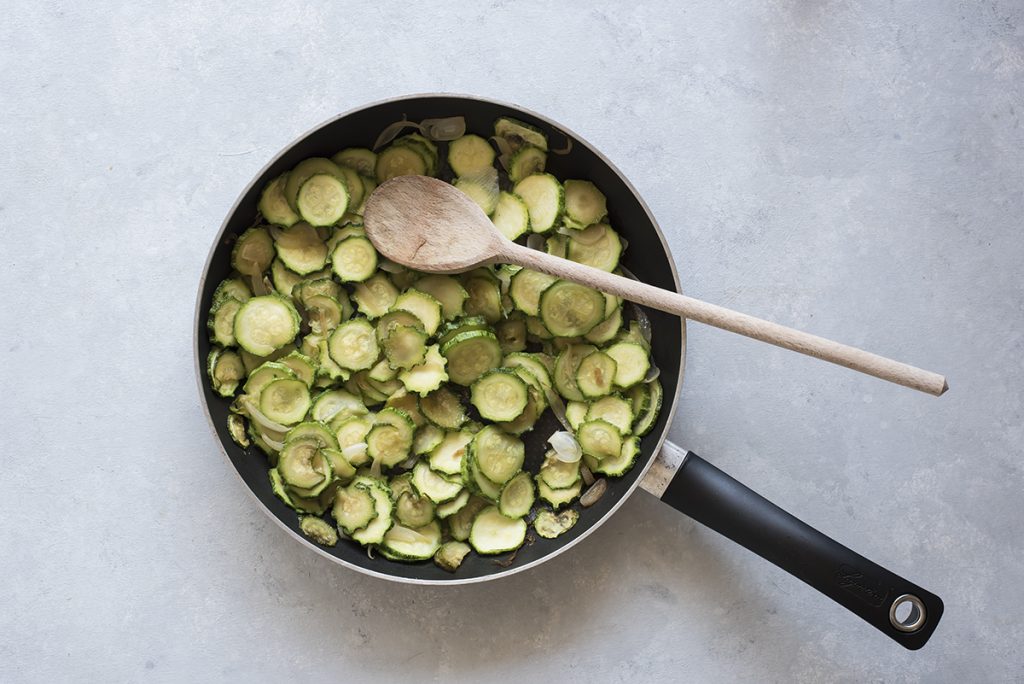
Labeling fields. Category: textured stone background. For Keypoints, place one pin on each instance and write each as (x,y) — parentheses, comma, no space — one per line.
(854,168)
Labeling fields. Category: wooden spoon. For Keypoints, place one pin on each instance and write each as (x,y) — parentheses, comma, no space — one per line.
(428,225)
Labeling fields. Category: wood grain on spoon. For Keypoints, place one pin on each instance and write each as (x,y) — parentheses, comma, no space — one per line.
(428,225)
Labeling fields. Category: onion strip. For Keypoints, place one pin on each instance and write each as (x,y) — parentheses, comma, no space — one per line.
(391,132)
(443,130)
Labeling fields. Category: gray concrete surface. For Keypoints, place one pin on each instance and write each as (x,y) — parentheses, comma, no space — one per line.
(854,168)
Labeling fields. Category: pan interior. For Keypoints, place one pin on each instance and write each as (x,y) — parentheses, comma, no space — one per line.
(646,256)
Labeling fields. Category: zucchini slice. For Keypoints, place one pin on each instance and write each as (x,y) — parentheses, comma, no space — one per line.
(273,204)
(231,288)
(518,133)
(411,543)
(336,405)
(497,454)
(615,410)
(302,172)
(531,362)
(413,510)
(450,508)
(499,395)
(390,438)
(527,161)
(405,346)
(354,259)
(558,474)
(319,530)
(283,278)
(460,523)
(375,296)
(451,554)
(353,345)
(606,330)
(433,485)
(225,369)
(575,413)
(511,334)
(374,532)
(304,367)
(549,524)
(646,420)
(264,374)
(253,252)
(566,365)
(545,199)
(517,496)
(303,466)
(427,438)
(620,464)
(285,401)
(632,363)
(595,374)
(443,408)
(470,155)
(355,507)
(423,306)
(360,159)
(465,324)
(237,428)
(494,533)
(265,324)
(599,439)
(314,431)
(570,309)
(482,188)
(559,497)
(526,287)
(427,376)
(221,323)
(447,291)
(400,160)
(511,215)
(584,203)
(471,354)
(597,245)
(484,295)
(323,199)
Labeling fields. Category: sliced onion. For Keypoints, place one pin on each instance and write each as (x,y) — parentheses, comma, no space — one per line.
(557,407)
(401,533)
(595,492)
(588,477)
(271,442)
(369,552)
(357,449)
(652,374)
(643,322)
(391,131)
(260,419)
(390,266)
(257,285)
(449,128)
(564,150)
(566,448)
(536,241)
(408,463)
(503,145)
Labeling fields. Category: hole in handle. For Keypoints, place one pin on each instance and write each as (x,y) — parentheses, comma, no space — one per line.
(907,613)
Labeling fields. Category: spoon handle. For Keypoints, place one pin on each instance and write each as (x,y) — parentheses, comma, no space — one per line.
(727,319)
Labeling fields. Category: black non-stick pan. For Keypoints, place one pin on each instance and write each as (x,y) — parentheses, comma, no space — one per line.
(903,611)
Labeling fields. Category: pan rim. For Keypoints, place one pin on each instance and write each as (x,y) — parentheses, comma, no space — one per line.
(200,366)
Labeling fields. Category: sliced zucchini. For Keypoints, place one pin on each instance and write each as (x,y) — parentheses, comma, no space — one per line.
(597,245)
(354,507)
(304,467)
(526,420)
(336,405)
(390,438)
(595,374)
(615,410)
(411,543)
(427,438)
(221,322)
(511,215)
(451,554)
(353,345)
(477,482)
(566,365)
(599,439)
(526,287)
(413,510)
(225,369)
(575,413)
(265,324)
(313,286)
(558,474)
(518,133)
(433,485)
(559,497)
(470,155)
(549,524)
(264,374)
(421,305)
(526,161)
(646,420)
(620,464)
(606,330)
(283,278)
(461,325)
(443,408)
(285,401)
(342,467)
(324,313)
(356,190)
(273,204)
(499,395)
(230,288)
(460,523)
(517,496)
(447,291)
(447,456)
(470,354)
(318,530)
(408,402)
(511,334)
(532,363)
(253,252)
(378,527)
(584,203)
(484,295)
(400,160)
(497,454)
(405,346)
(494,533)
(545,199)
(354,259)
(351,433)
(375,296)
(302,172)
(323,199)
(632,363)
(427,376)
(360,159)
(450,508)
(236,428)
(569,309)
(314,431)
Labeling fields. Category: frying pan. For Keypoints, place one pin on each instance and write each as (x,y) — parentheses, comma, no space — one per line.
(903,611)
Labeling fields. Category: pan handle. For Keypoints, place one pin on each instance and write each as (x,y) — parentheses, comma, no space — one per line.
(901,610)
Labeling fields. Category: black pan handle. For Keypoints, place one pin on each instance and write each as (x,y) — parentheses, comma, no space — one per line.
(903,611)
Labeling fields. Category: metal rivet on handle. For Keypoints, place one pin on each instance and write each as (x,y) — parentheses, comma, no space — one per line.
(912,620)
